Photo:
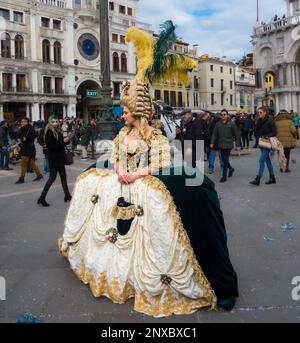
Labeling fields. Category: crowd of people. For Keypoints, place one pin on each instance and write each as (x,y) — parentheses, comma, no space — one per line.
(223,132)
(220,132)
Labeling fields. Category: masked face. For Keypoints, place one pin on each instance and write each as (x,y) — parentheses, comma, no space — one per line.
(54,122)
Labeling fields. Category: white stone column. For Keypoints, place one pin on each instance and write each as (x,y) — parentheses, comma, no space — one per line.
(33,33)
(14,82)
(289,75)
(1,112)
(53,85)
(12,47)
(42,112)
(297,74)
(290,103)
(35,112)
(71,112)
(286,102)
(290,71)
(295,102)
(64,110)
(51,52)
(277,109)
(27,111)
(69,3)
(68,44)
(238,99)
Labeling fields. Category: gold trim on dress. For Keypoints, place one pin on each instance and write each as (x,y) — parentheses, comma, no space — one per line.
(159,306)
(184,238)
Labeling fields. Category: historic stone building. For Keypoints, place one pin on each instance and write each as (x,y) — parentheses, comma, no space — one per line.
(277,54)
(50,56)
(245,85)
(217,84)
(176,94)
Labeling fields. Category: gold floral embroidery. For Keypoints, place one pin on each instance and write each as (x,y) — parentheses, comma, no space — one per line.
(184,238)
(158,306)
(154,151)
(124,213)
(102,287)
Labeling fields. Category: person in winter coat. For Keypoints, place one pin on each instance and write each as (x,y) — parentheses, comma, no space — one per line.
(246,125)
(27,135)
(296,124)
(85,137)
(286,134)
(238,123)
(213,152)
(55,145)
(225,133)
(265,128)
(4,146)
(190,132)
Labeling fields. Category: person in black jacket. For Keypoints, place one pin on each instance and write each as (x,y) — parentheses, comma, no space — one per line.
(224,135)
(246,127)
(4,145)
(191,131)
(265,128)
(55,144)
(27,135)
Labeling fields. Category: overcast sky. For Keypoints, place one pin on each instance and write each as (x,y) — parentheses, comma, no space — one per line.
(220,27)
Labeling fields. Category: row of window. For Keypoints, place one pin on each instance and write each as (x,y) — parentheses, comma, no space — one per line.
(172,98)
(46,52)
(6,46)
(196,100)
(122,9)
(17,16)
(118,39)
(116,62)
(47,85)
(212,84)
(212,68)
(6,49)
(213,99)
(7,84)
(51,23)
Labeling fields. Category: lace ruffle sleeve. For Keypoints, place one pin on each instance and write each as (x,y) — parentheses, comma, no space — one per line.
(160,151)
(115,155)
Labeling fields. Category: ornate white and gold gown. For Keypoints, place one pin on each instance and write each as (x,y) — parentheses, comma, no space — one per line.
(154,262)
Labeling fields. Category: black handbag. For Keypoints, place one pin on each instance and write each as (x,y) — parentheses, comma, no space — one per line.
(124,225)
(69,159)
(125,212)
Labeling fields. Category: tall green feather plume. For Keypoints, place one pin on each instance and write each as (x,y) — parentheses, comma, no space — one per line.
(163,45)
(168,64)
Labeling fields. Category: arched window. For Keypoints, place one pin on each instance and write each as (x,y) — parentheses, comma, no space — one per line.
(46,51)
(57,53)
(5,45)
(19,47)
(116,62)
(123,63)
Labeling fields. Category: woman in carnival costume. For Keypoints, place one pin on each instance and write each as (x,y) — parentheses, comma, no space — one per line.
(138,231)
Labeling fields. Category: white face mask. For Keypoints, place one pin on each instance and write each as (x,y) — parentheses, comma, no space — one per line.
(54,122)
